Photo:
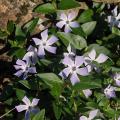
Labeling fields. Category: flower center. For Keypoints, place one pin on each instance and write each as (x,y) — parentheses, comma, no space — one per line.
(74,68)
(44,44)
(67,22)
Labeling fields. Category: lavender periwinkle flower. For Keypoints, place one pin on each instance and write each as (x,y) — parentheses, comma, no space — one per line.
(87,92)
(92,57)
(109,91)
(73,68)
(28,106)
(23,68)
(67,20)
(114,19)
(45,43)
(31,55)
(92,115)
(116,78)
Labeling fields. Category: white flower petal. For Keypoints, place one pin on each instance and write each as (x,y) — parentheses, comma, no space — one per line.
(34,102)
(52,40)
(92,54)
(79,60)
(87,93)
(21,108)
(60,24)
(72,16)
(74,79)
(26,101)
(93,114)
(101,58)
(83,118)
(37,41)
(74,24)
(44,35)
(67,28)
(63,17)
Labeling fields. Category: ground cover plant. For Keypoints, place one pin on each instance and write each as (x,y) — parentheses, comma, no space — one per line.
(70,70)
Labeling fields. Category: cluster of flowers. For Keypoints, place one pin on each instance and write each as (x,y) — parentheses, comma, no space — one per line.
(74,65)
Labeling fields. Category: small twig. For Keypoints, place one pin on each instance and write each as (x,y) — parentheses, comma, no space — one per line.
(6,113)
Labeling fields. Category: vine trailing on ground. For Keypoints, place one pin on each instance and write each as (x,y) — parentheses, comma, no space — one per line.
(71,69)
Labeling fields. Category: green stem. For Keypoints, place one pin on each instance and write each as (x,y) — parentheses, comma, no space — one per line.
(6,113)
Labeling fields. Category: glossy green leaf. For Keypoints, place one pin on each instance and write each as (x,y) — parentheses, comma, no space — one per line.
(45,8)
(64,4)
(89,27)
(40,115)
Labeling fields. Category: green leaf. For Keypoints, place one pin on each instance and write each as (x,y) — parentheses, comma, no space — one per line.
(77,41)
(40,115)
(64,4)
(18,52)
(99,49)
(10,26)
(3,34)
(115,31)
(57,110)
(88,27)
(30,26)
(45,8)
(87,83)
(20,93)
(86,16)
(53,82)
(31,84)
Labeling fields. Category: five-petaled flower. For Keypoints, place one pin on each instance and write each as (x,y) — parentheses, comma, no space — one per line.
(23,68)
(114,20)
(29,107)
(116,77)
(110,91)
(31,55)
(73,68)
(92,57)
(67,20)
(92,115)
(45,43)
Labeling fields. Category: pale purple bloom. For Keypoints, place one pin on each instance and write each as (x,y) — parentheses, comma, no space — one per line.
(67,20)
(116,77)
(87,92)
(71,52)
(23,68)
(110,91)
(31,55)
(45,43)
(114,20)
(92,57)
(28,107)
(73,68)
(119,118)
(92,115)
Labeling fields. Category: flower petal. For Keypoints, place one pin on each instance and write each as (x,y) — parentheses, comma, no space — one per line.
(74,79)
(17,67)
(101,58)
(35,110)
(93,114)
(67,29)
(32,70)
(92,54)
(44,35)
(18,73)
(63,17)
(27,115)
(26,101)
(72,16)
(68,61)
(52,40)
(35,102)
(74,24)
(82,71)
(37,41)
(87,93)
(117,82)
(60,24)
(41,52)
(51,49)
(20,62)
(65,72)
(79,60)
(21,108)
(83,118)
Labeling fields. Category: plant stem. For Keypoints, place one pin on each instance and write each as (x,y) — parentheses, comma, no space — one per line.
(6,113)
